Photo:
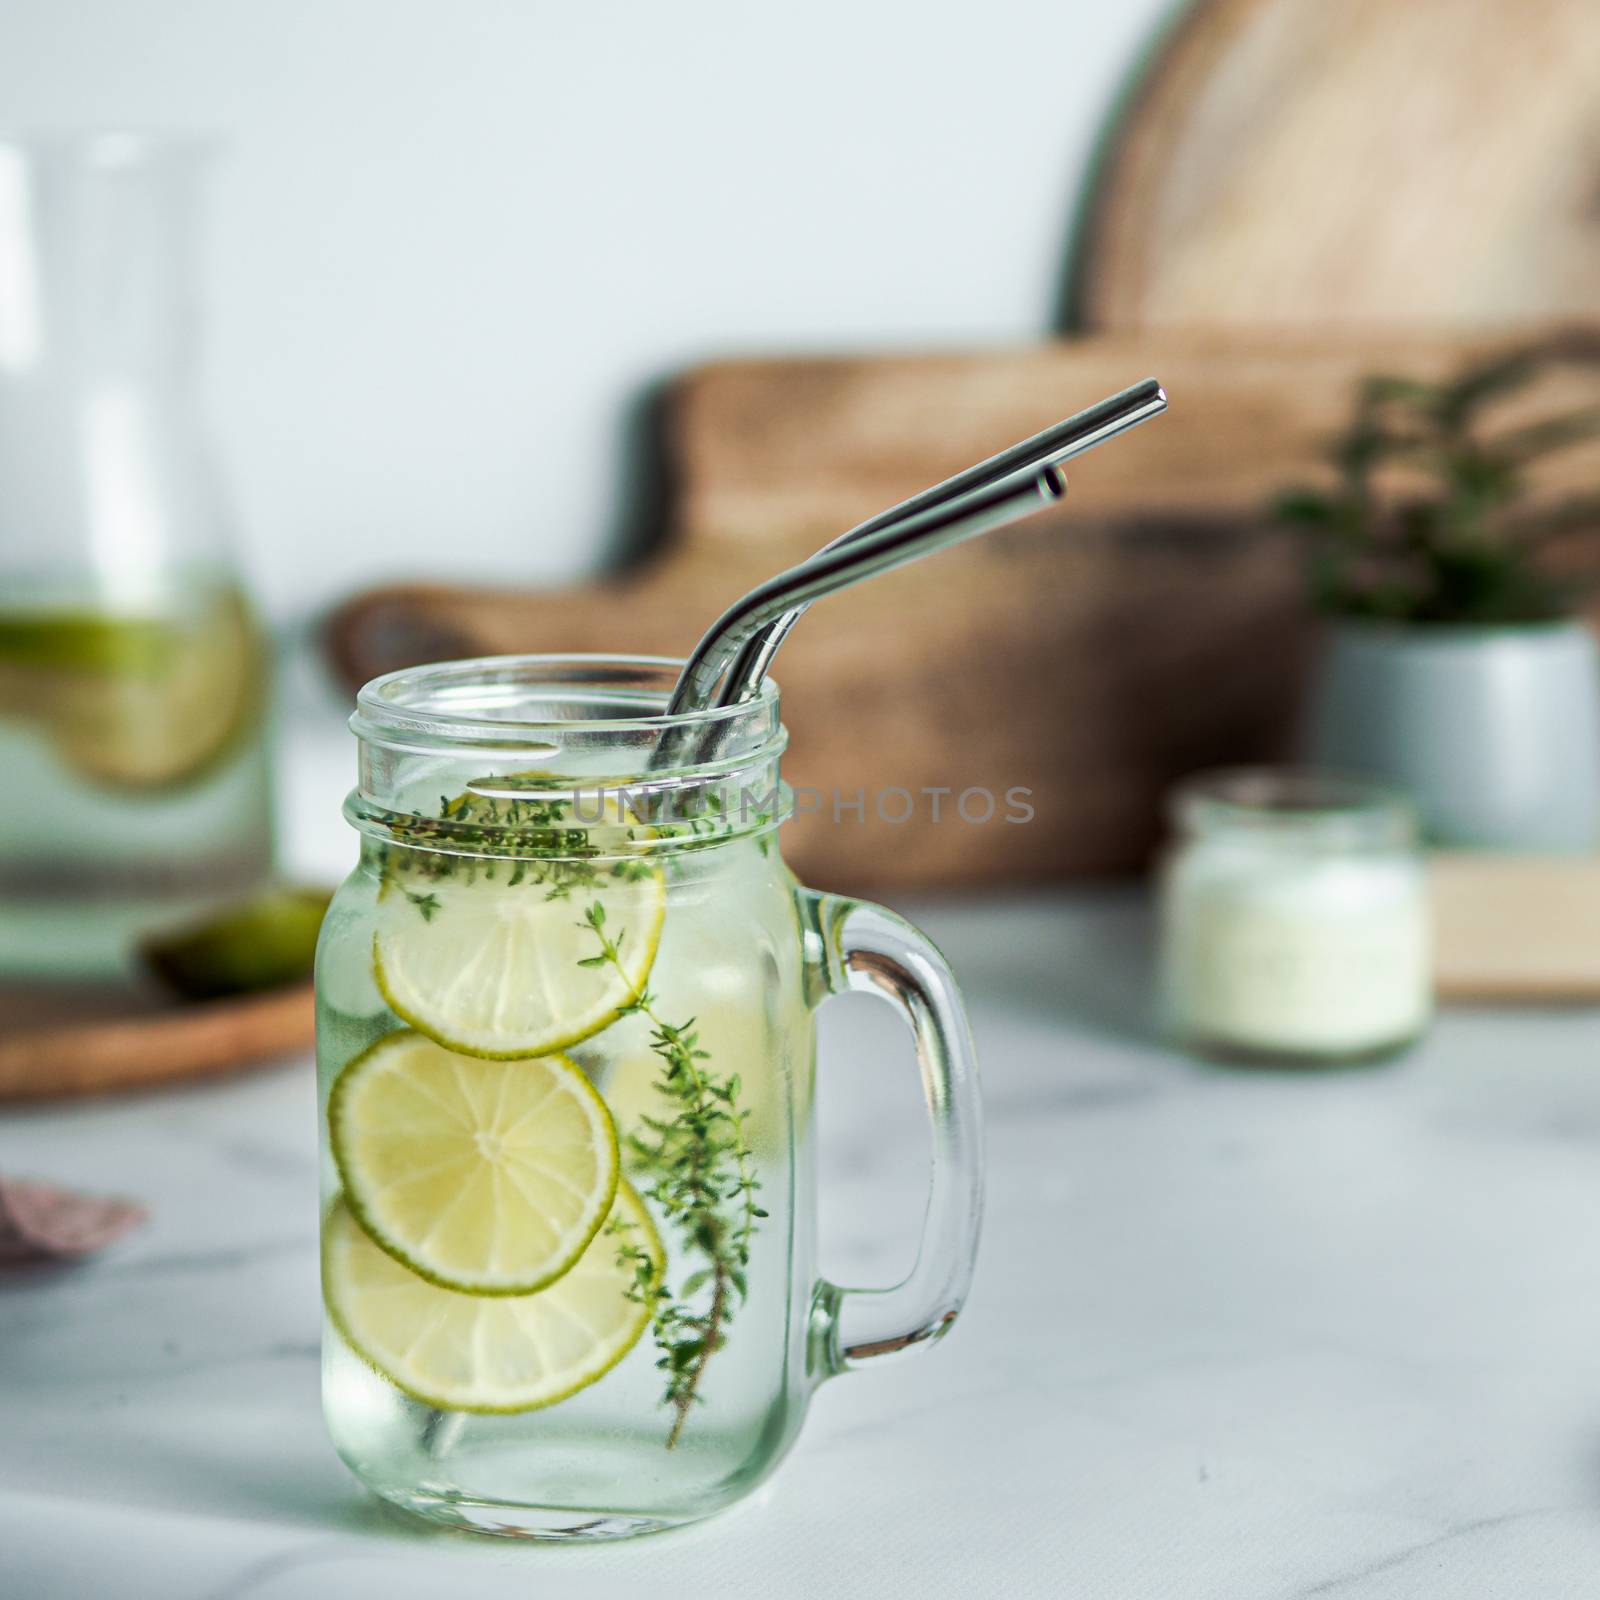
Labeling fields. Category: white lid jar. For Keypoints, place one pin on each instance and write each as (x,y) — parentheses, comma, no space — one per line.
(1295,924)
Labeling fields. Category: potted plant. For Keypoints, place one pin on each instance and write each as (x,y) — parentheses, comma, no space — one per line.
(1456,666)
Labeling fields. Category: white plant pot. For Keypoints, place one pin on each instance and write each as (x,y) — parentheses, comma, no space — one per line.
(1493,732)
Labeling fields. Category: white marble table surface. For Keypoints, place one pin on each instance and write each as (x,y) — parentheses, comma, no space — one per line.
(1233,1334)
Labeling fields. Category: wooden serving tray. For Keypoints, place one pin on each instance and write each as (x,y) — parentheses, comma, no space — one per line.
(73,1041)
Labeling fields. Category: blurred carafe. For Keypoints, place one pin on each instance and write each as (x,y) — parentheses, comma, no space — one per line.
(133,673)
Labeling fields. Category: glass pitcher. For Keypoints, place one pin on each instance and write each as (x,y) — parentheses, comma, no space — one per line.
(565,1045)
(132,670)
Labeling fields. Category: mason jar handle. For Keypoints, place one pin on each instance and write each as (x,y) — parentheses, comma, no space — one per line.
(868,949)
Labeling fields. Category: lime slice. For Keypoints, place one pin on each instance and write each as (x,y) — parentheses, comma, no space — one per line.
(136,703)
(259,944)
(494,970)
(86,641)
(488,1177)
(159,729)
(463,1352)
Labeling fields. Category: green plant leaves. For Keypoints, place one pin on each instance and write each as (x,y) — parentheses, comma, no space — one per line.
(1427,522)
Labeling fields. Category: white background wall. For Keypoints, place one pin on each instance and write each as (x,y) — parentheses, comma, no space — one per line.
(450,241)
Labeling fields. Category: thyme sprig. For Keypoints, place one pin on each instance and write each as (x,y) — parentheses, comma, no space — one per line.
(513,839)
(528,835)
(696,1165)
(427,904)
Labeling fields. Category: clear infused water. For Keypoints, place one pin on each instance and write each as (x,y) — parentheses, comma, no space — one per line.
(133,746)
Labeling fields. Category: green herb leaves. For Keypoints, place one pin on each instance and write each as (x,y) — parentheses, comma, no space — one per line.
(694,1163)
(1432,517)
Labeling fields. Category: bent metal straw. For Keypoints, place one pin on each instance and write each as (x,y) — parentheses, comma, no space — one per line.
(733,657)
(751,647)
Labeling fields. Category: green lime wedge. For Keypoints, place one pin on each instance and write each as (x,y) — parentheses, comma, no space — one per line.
(260,944)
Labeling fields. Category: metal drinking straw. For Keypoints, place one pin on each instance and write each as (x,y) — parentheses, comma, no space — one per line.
(842,563)
(750,646)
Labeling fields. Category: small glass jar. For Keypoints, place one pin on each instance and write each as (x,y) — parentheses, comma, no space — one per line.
(1295,922)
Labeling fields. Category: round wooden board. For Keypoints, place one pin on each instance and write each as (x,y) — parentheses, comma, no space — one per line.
(63,1042)
(1334,162)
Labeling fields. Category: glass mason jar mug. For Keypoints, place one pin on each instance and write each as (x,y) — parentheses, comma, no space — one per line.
(565,1044)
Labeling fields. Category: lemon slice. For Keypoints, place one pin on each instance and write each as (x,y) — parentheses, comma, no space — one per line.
(489,969)
(488,1177)
(463,1352)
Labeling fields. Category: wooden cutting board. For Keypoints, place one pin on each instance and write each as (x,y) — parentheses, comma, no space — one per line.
(1357,162)
(74,1040)
(1091,656)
